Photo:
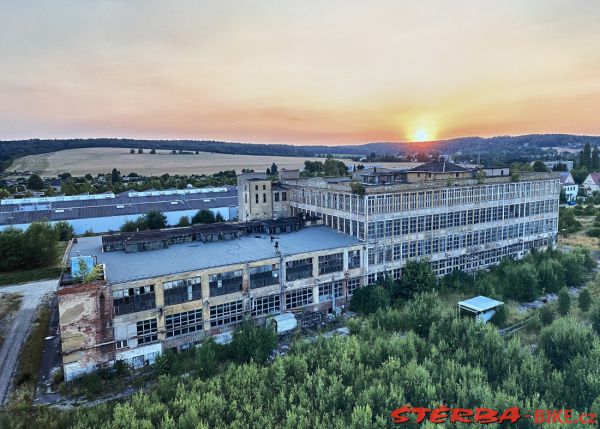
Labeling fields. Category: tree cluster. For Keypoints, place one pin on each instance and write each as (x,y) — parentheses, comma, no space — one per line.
(33,248)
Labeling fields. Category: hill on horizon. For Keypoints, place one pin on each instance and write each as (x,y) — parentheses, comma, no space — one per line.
(530,145)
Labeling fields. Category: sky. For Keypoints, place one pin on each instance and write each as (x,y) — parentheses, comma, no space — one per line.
(300,72)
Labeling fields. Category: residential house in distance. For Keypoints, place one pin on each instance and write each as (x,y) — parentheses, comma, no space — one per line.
(568,186)
(591,183)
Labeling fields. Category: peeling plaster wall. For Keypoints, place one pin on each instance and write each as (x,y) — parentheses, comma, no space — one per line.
(86,328)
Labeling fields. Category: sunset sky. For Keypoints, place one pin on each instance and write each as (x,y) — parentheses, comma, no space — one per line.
(300,72)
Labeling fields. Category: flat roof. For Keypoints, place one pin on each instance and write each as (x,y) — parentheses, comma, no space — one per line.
(480,303)
(196,255)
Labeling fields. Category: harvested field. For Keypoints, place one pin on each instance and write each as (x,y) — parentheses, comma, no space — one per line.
(79,162)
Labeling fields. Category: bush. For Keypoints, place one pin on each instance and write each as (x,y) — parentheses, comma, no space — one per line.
(563,340)
(546,315)
(564,302)
(520,281)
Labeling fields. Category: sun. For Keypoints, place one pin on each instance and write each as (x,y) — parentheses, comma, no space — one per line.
(421,135)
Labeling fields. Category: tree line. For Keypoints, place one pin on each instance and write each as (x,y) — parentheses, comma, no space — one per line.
(157,220)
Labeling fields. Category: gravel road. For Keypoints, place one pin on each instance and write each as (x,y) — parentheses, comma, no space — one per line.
(16,334)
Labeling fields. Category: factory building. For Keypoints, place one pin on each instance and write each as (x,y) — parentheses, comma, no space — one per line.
(108,212)
(170,289)
(455,218)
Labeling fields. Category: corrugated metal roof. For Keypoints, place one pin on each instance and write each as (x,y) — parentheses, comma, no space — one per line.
(119,206)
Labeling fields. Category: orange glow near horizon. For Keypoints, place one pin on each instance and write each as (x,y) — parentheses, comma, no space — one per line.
(299,72)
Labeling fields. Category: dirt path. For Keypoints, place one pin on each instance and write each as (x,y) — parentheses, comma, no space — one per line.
(17,333)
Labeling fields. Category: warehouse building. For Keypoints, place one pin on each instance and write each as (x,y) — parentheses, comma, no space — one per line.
(108,212)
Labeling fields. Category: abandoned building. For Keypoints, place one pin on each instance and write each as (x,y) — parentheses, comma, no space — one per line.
(170,289)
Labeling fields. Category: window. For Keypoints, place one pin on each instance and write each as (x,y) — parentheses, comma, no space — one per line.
(184,323)
(353,284)
(147,331)
(298,298)
(326,289)
(256,198)
(264,187)
(264,198)
(331,263)
(132,300)
(284,196)
(224,314)
(276,197)
(265,305)
(121,344)
(183,290)
(256,187)
(354,259)
(299,269)
(224,283)
(265,275)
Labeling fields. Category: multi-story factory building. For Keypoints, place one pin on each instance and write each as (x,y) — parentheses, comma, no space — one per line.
(171,288)
(454,217)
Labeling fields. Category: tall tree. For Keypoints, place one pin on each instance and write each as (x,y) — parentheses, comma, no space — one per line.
(155,220)
(417,277)
(35,182)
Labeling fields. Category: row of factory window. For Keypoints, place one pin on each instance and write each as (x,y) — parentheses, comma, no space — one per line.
(233,312)
(416,224)
(468,262)
(402,201)
(132,300)
(418,248)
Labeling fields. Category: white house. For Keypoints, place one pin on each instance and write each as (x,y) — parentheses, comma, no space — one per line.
(592,183)
(569,186)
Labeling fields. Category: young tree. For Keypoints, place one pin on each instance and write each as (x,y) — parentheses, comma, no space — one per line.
(551,275)
(253,342)
(115,175)
(155,220)
(219,217)
(35,182)
(564,301)
(131,151)
(140,151)
(417,277)
(520,282)
(423,311)
(546,315)
(585,300)
(369,299)
(539,166)
(184,221)
(274,169)
(204,216)
(595,317)
(152,151)
(64,230)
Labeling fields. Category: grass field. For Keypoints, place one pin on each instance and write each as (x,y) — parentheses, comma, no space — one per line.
(79,162)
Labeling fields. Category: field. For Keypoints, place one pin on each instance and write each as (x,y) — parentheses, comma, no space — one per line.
(79,162)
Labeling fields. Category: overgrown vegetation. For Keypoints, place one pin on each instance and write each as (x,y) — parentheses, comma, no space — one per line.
(357,381)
